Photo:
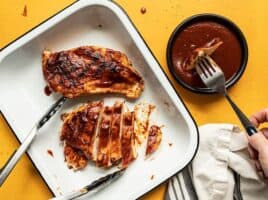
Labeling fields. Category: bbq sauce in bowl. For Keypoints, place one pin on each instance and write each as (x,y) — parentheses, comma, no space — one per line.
(198,32)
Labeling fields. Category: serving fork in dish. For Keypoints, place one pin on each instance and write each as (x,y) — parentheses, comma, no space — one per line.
(14,158)
(213,77)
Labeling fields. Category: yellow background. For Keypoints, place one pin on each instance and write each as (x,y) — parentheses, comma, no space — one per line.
(156,26)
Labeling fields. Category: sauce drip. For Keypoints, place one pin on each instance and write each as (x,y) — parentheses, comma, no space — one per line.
(50,152)
(47,91)
(143,10)
(24,12)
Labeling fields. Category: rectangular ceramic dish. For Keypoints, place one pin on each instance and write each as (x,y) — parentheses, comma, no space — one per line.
(101,23)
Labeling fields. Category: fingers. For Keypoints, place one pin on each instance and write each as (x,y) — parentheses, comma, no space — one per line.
(264,132)
(254,156)
(259,117)
(258,151)
(258,141)
(261,174)
(258,165)
(252,153)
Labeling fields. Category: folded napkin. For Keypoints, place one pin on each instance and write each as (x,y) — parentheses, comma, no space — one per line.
(221,170)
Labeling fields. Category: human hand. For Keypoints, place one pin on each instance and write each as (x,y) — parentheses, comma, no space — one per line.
(259,142)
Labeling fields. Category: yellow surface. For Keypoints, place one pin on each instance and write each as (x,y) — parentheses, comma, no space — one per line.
(156,26)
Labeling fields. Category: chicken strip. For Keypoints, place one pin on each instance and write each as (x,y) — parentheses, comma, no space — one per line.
(128,150)
(103,147)
(154,139)
(142,114)
(115,153)
(208,49)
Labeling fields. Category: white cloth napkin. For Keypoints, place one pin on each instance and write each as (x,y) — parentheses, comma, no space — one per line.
(221,170)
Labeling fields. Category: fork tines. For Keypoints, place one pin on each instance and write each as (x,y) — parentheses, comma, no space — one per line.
(206,66)
(210,73)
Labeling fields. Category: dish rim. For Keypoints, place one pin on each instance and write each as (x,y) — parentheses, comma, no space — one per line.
(4,53)
(221,20)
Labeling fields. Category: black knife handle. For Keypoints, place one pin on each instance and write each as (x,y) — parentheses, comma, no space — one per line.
(250,128)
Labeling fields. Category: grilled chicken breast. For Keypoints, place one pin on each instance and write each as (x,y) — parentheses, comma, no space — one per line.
(79,128)
(154,139)
(90,70)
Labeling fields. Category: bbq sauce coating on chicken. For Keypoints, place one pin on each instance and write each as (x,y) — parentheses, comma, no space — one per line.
(103,150)
(79,128)
(106,134)
(75,158)
(90,70)
(115,151)
(128,140)
(154,139)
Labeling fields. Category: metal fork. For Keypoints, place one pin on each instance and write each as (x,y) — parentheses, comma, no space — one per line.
(213,77)
(14,158)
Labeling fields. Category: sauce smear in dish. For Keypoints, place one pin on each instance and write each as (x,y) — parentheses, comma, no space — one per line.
(199,34)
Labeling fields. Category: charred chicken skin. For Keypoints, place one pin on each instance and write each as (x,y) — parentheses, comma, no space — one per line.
(91,70)
(80,128)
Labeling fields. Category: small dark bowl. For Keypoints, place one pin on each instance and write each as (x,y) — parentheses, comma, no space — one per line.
(221,20)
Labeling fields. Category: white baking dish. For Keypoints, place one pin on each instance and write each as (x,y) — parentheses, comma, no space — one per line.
(102,23)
